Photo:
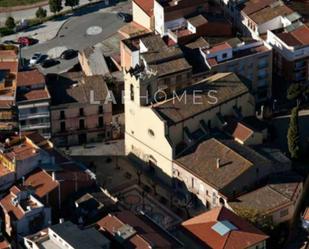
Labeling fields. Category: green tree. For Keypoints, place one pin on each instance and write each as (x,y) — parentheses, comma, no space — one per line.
(71,3)
(10,23)
(55,6)
(293,134)
(41,13)
(252,215)
(294,91)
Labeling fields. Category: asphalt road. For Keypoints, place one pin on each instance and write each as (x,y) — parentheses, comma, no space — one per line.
(75,34)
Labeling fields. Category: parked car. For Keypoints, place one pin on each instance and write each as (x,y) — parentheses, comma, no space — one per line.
(36,58)
(50,63)
(68,54)
(9,42)
(26,41)
(124,17)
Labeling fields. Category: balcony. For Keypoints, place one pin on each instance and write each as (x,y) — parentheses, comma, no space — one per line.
(35,126)
(33,115)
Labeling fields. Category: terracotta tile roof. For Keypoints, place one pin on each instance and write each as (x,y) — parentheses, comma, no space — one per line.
(220,47)
(12,66)
(278,193)
(297,37)
(203,163)
(238,130)
(243,236)
(146,236)
(197,20)
(41,182)
(34,95)
(28,78)
(270,13)
(253,6)
(5,245)
(227,86)
(7,205)
(146,6)
(21,151)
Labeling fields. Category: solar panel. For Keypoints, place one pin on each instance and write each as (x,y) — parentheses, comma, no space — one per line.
(223,227)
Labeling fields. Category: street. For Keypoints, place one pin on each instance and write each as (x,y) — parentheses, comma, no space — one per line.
(86,28)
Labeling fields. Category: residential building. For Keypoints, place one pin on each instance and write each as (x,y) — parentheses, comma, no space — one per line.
(259,17)
(291,52)
(221,174)
(67,235)
(18,157)
(126,230)
(23,213)
(277,200)
(177,121)
(248,58)
(221,228)
(305,219)
(33,103)
(171,14)
(79,111)
(8,74)
(143,13)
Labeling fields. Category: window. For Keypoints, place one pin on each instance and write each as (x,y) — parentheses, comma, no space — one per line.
(81,111)
(224,55)
(100,109)
(167,81)
(62,126)
(62,115)
(178,78)
(81,124)
(150,132)
(100,122)
(132,92)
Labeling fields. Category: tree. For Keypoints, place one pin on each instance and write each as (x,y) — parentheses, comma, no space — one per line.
(55,6)
(41,13)
(10,23)
(252,215)
(293,134)
(294,91)
(71,3)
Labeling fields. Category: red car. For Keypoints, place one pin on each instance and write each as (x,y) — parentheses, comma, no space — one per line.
(25,41)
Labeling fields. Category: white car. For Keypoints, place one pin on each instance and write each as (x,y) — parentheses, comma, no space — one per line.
(36,58)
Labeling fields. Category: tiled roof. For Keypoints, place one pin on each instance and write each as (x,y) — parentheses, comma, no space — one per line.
(7,205)
(244,236)
(146,236)
(171,67)
(41,182)
(279,192)
(197,20)
(297,37)
(227,86)
(203,163)
(270,13)
(238,130)
(33,95)
(7,55)
(146,6)
(70,88)
(12,66)
(253,6)
(28,78)
(22,151)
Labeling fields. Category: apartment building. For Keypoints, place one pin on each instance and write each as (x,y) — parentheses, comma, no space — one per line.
(224,229)
(67,235)
(23,213)
(79,110)
(249,58)
(33,101)
(175,122)
(291,52)
(8,75)
(18,157)
(259,17)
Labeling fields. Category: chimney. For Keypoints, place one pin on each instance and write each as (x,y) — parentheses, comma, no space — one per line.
(54,175)
(61,220)
(218,163)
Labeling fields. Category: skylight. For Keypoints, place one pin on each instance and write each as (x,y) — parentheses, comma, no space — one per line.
(223,227)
